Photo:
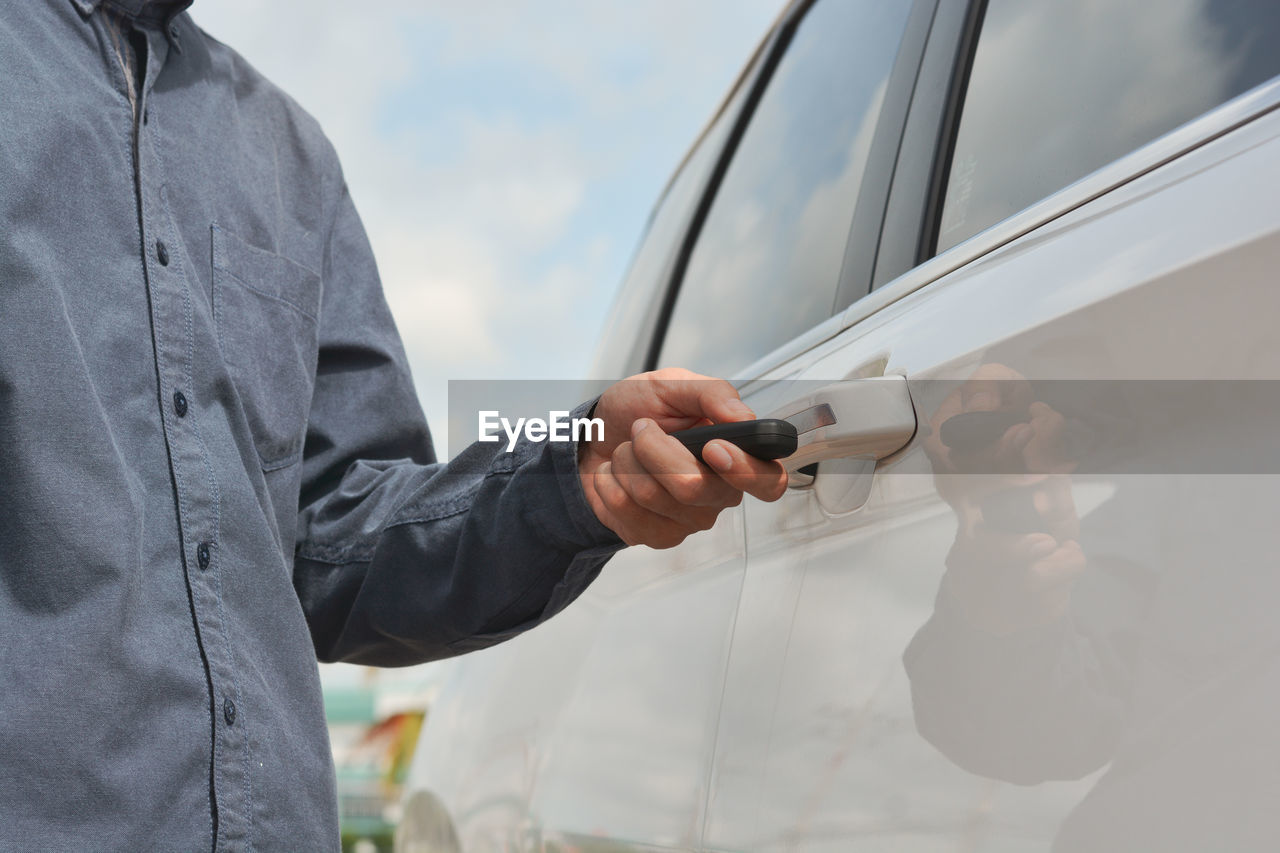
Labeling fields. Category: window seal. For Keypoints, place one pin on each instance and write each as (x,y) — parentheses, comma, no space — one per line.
(784,30)
(865,227)
(950,129)
(919,174)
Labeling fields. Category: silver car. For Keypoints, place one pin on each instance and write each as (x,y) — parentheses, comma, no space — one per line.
(1021,595)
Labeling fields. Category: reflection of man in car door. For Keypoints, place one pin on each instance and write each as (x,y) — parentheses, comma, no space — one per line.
(1132,638)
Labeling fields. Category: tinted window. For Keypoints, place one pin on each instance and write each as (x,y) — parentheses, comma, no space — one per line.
(767,262)
(666,226)
(1061,87)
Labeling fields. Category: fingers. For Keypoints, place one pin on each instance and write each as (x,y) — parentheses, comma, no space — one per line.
(696,395)
(1049,553)
(1057,508)
(732,470)
(1005,583)
(652,491)
(760,478)
(682,499)
(656,494)
(633,523)
(1058,568)
(1047,450)
(1016,555)
(995,386)
(655,457)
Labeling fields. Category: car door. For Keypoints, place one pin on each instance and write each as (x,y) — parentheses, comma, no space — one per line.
(1082,207)
(628,759)
(747,690)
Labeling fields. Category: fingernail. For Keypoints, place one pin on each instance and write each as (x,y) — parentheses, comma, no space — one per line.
(717,457)
(740,409)
(638,426)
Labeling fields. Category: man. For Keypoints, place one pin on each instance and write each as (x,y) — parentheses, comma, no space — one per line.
(214,465)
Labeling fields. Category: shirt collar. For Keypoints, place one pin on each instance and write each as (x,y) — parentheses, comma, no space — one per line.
(141,10)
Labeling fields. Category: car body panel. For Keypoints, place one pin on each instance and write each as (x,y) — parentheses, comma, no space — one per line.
(828,756)
(746,690)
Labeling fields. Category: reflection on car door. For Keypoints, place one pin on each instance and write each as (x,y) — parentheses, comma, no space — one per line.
(748,690)
(630,753)
(1142,728)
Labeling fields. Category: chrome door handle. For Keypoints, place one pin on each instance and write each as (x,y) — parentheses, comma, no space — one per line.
(857,418)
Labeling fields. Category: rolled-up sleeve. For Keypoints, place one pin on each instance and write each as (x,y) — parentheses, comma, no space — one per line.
(401,559)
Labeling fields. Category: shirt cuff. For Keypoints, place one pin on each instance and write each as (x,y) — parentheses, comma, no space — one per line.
(564,458)
(950,642)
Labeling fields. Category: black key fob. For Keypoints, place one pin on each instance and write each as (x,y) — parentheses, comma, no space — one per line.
(970,432)
(768,438)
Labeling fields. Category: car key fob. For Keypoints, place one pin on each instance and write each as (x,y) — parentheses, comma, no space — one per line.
(970,432)
(767,438)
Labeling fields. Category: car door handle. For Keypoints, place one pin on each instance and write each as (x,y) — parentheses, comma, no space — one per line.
(857,418)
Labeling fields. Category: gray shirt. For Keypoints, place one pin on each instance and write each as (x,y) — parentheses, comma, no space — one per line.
(213,467)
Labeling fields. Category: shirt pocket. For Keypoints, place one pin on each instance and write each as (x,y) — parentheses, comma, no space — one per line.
(265,308)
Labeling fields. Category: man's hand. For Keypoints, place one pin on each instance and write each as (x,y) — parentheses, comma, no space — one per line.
(645,485)
(1007,576)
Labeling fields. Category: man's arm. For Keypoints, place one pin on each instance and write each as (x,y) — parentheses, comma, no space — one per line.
(1023,671)
(402,559)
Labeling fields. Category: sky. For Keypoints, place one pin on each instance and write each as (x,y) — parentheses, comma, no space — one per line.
(504,155)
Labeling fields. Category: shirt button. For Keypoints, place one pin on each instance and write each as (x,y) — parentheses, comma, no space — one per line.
(203,555)
(229,712)
(180,404)
(162,253)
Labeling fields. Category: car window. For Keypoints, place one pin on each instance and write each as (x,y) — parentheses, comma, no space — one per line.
(1059,88)
(767,261)
(665,228)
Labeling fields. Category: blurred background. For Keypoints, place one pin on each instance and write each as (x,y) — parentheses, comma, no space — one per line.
(504,156)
